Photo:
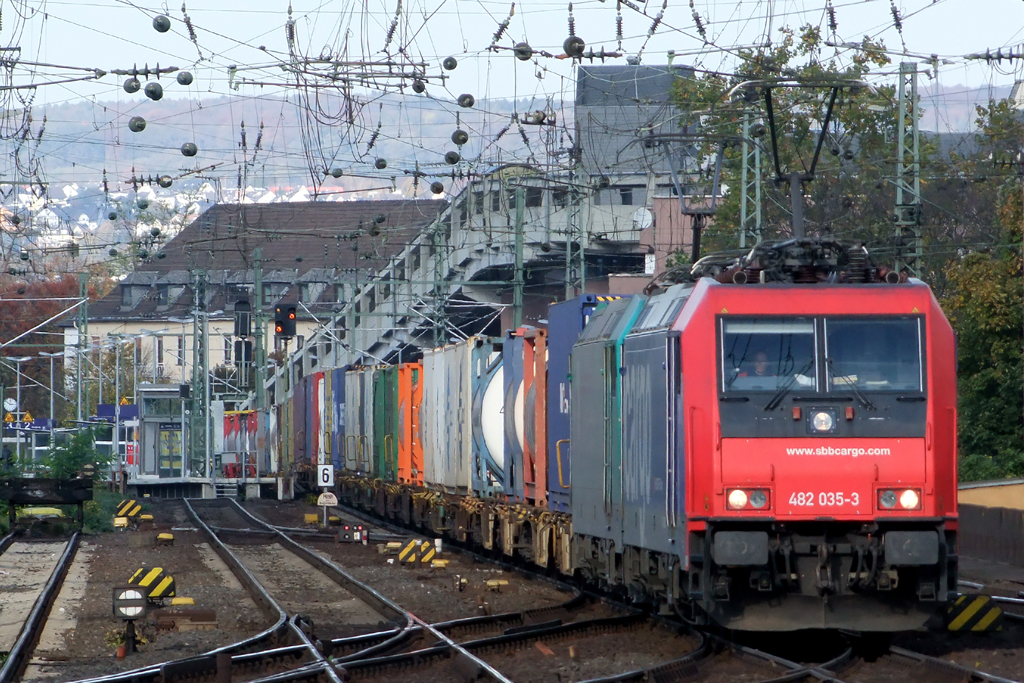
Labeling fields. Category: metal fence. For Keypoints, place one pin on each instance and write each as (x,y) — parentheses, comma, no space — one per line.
(994,534)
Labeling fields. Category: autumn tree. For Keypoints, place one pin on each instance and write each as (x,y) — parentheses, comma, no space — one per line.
(26,301)
(985,301)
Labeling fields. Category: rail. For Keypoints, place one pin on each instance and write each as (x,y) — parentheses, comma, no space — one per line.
(266,647)
(368,594)
(19,655)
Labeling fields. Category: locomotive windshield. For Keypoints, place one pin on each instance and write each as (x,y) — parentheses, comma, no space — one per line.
(855,354)
(878,354)
(766,355)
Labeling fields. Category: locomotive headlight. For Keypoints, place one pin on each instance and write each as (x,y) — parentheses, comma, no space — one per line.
(758,499)
(737,499)
(822,421)
(746,499)
(910,500)
(902,499)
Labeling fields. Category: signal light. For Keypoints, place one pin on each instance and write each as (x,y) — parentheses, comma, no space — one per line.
(284,321)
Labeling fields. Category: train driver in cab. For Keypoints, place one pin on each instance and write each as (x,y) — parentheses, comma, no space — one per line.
(756,374)
(762,374)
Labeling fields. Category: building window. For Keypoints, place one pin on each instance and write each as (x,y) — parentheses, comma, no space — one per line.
(626,195)
(416,259)
(560,198)
(300,341)
(161,295)
(495,201)
(180,360)
(126,295)
(159,356)
(534,197)
(478,202)
(227,350)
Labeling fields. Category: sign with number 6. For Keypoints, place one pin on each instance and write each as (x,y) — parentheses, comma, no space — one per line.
(325,476)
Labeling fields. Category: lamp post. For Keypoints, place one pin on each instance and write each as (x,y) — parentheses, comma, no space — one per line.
(18,360)
(51,356)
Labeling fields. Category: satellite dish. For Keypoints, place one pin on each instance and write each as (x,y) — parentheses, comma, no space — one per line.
(642,219)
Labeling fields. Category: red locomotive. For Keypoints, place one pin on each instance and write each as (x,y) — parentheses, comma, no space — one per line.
(788,453)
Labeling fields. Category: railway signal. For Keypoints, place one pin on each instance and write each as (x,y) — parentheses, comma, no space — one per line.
(129,605)
(284,321)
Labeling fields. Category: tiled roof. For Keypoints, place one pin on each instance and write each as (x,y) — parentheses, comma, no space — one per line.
(300,242)
(300,235)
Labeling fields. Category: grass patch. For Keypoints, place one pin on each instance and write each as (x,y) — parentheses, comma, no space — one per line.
(99,512)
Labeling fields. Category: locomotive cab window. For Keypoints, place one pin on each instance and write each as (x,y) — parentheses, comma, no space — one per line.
(767,355)
(875,354)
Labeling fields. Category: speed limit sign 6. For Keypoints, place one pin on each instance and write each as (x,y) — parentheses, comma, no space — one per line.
(325,476)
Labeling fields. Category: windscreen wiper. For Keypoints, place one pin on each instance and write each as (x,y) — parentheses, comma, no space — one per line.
(864,400)
(784,389)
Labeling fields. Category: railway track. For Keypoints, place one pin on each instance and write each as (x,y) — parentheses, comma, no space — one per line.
(723,659)
(290,649)
(571,641)
(282,649)
(300,587)
(33,572)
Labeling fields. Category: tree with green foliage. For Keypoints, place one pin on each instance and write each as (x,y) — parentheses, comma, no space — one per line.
(972,211)
(985,302)
(844,199)
(67,460)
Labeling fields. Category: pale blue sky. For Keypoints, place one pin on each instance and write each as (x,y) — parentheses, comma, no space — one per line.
(251,35)
(109,34)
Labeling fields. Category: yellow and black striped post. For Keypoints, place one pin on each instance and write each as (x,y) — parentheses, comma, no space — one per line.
(974,613)
(128,508)
(164,588)
(408,553)
(427,552)
(153,582)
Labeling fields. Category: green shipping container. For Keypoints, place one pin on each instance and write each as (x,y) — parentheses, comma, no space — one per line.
(385,423)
